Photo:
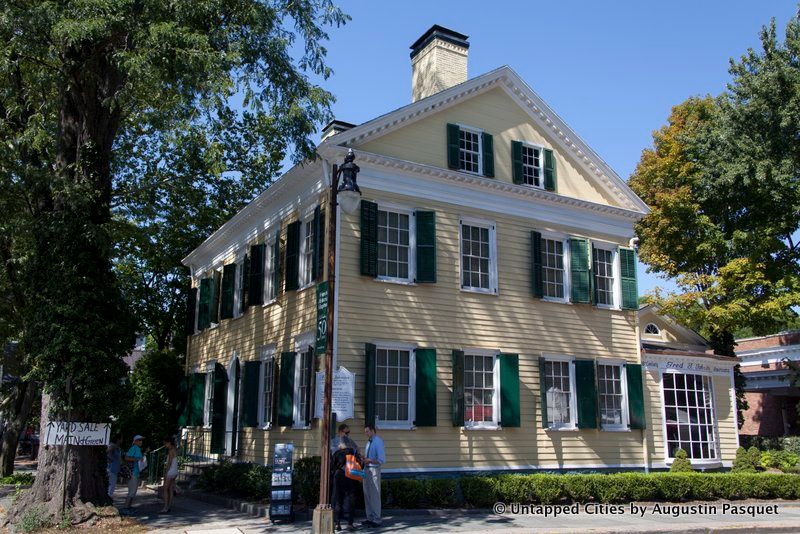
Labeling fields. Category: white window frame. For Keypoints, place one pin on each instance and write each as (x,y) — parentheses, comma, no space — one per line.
(302,260)
(479,133)
(668,459)
(237,288)
(302,343)
(564,239)
(623,376)
(491,226)
(412,386)
(495,423)
(269,269)
(573,405)
(196,305)
(208,394)
(615,283)
(654,325)
(266,354)
(218,291)
(412,243)
(540,148)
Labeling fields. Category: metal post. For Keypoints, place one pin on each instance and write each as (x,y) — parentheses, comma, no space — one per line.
(66,446)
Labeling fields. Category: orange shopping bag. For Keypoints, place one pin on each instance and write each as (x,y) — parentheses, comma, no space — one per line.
(352,469)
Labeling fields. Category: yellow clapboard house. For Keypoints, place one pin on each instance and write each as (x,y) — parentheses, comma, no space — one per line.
(485,298)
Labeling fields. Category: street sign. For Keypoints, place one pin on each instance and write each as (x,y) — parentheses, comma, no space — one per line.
(86,434)
(322,318)
(343,393)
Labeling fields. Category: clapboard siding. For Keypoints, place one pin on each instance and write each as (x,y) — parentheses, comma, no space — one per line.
(496,113)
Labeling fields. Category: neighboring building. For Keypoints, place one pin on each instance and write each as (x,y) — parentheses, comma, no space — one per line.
(136,354)
(696,402)
(772,399)
(486,291)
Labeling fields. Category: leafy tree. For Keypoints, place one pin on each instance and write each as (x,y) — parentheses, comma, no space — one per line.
(94,95)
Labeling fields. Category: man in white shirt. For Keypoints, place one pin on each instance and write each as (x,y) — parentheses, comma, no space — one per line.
(374,457)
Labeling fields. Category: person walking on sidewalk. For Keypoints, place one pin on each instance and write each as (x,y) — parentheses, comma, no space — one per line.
(170,473)
(133,455)
(374,458)
(114,459)
(344,488)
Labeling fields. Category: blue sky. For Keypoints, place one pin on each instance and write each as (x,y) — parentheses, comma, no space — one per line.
(611,70)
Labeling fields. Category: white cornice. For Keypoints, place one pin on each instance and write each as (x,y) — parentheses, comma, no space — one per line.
(539,111)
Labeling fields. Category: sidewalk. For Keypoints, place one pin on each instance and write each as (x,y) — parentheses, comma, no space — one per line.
(190,515)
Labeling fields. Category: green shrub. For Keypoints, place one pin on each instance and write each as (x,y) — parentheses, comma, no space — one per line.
(674,487)
(34,519)
(480,492)
(791,444)
(25,479)
(607,489)
(441,492)
(743,462)
(577,488)
(305,480)
(638,486)
(384,495)
(681,463)
(547,489)
(407,493)
(515,488)
(246,480)
(783,460)
(755,457)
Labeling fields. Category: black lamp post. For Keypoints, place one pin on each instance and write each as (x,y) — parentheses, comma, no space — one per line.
(348,195)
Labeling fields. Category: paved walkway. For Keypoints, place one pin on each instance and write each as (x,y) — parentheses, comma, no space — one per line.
(195,517)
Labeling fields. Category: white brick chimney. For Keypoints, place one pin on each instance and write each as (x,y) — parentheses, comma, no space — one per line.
(438,61)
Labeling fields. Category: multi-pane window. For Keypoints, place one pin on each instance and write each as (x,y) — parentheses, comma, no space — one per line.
(303,393)
(604,275)
(611,396)
(479,390)
(269,273)
(476,259)
(689,414)
(392,385)
(209,397)
(559,393)
(553,268)
(652,330)
(267,386)
(470,150)
(394,232)
(532,166)
(307,253)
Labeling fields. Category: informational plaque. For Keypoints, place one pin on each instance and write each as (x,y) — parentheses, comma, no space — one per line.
(280,503)
(322,318)
(85,434)
(344,388)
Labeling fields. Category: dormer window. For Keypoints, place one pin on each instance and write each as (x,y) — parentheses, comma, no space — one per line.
(532,165)
(470,150)
(652,330)
(469,155)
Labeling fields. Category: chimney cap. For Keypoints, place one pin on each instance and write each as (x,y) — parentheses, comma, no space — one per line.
(334,127)
(442,33)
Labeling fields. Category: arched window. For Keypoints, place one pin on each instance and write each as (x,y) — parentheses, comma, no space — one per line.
(652,329)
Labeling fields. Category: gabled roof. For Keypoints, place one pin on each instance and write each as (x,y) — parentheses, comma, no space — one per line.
(541,114)
(674,324)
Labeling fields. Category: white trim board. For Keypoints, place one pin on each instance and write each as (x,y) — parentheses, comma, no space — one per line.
(529,467)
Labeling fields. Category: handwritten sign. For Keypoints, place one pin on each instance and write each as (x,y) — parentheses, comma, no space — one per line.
(687,364)
(322,318)
(85,434)
(344,387)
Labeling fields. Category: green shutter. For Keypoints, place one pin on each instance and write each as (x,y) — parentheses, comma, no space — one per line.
(228,286)
(592,271)
(204,308)
(244,290)
(197,399)
(276,265)
(292,256)
(633,372)
(516,162)
(369,383)
(627,264)
(458,388)
(453,147)
(537,284)
(426,246)
(488,154)
(312,387)
(286,390)
(579,270)
(316,246)
(184,410)
(256,285)
(426,387)
(250,393)
(369,238)
(586,386)
(542,393)
(216,289)
(219,409)
(509,390)
(550,174)
(191,305)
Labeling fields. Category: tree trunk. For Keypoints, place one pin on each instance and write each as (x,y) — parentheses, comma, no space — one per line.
(26,394)
(86,480)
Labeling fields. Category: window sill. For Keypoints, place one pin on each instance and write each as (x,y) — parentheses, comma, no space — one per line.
(398,281)
(304,427)
(612,429)
(269,303)
(482,427)
(606,307)
(705,464)
(306,286)
(562,429)
(555,300)
(479,291)
(396,426)
(268,426)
